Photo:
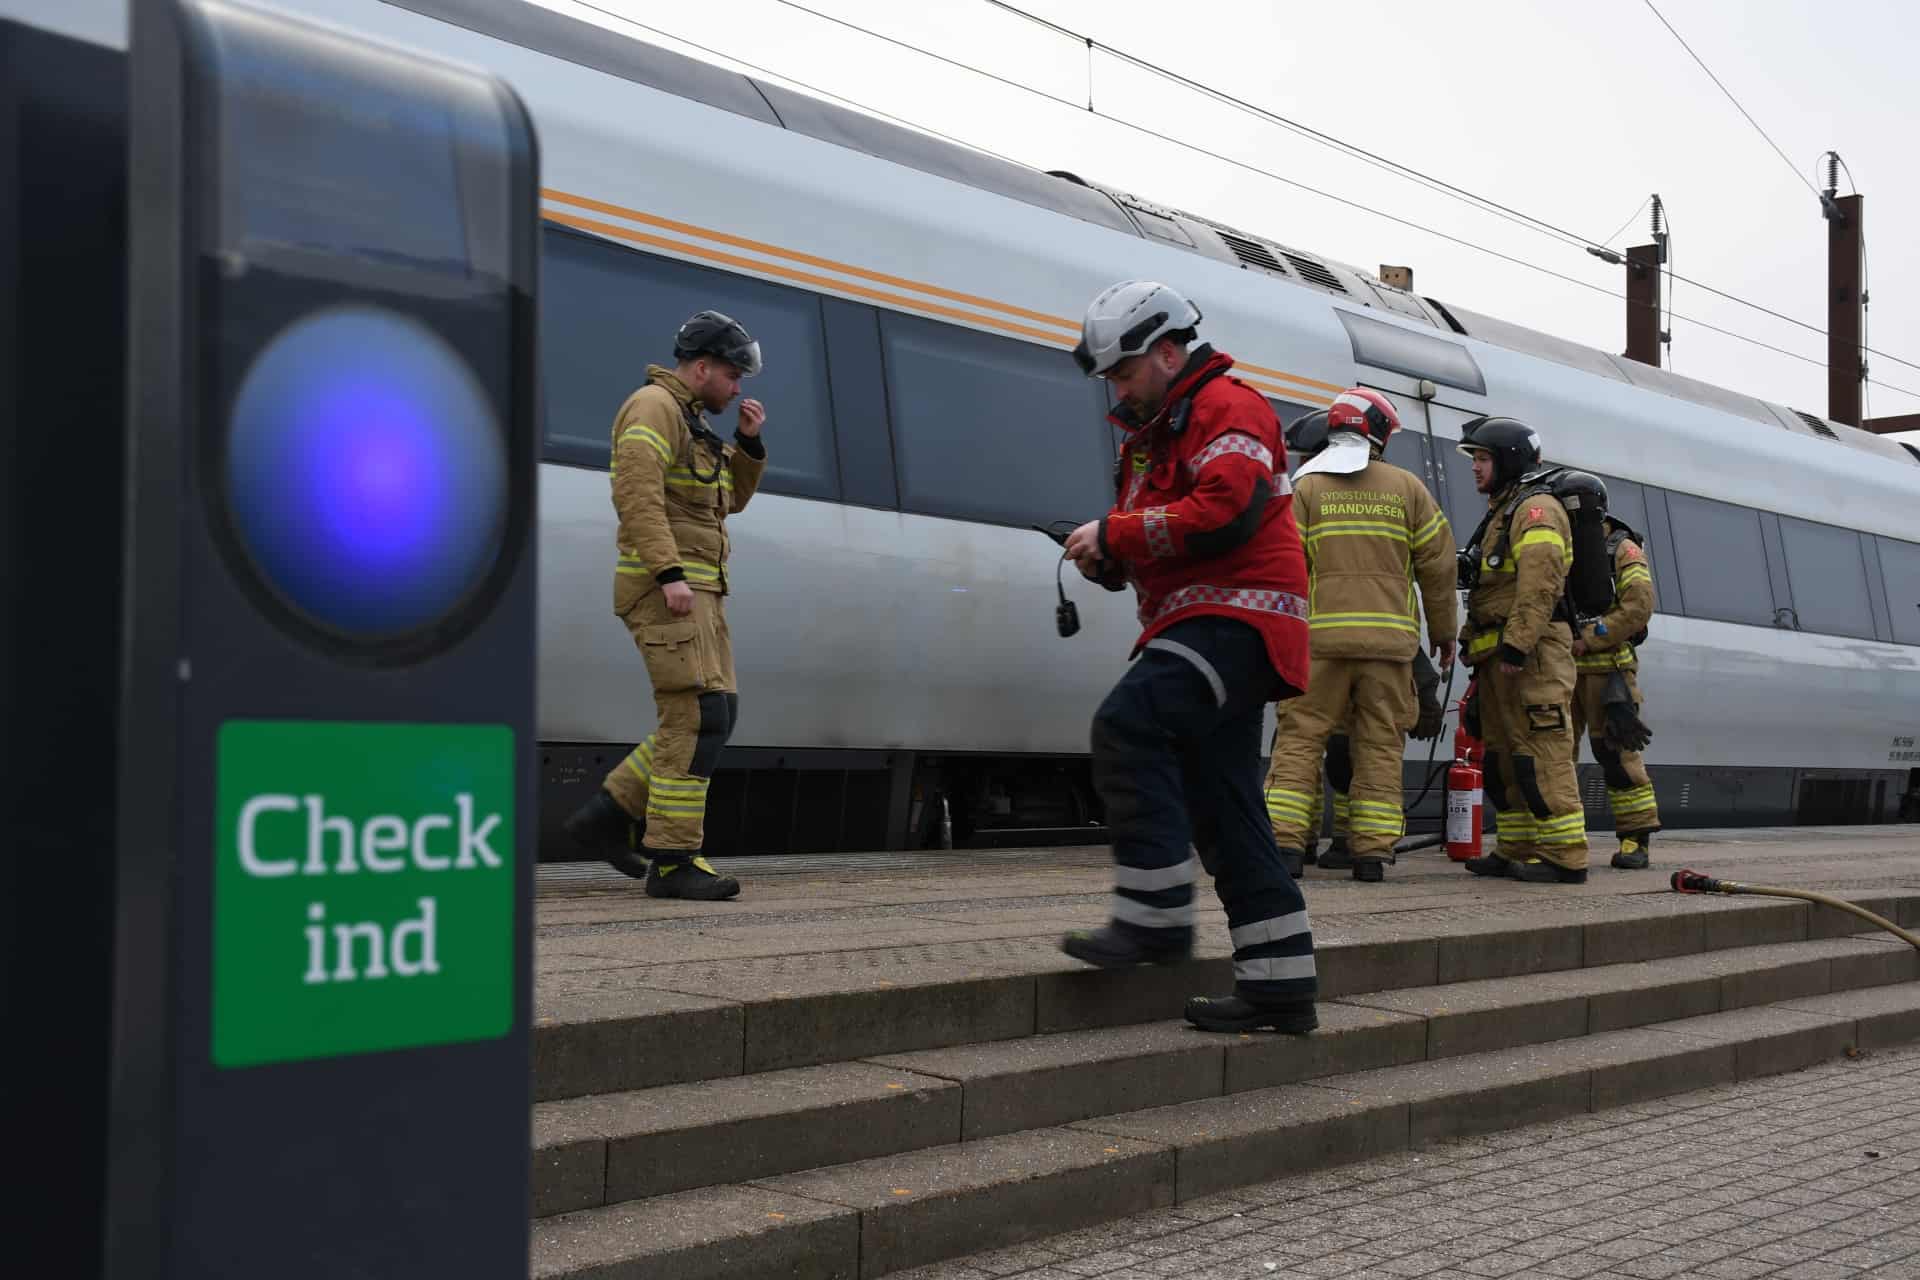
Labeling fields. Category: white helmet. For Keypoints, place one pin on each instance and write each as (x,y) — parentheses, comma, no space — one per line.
(1126,319)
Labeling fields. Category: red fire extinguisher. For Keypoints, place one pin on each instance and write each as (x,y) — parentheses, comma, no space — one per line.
(1464,794)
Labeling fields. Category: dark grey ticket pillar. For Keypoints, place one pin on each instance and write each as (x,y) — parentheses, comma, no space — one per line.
(326,820)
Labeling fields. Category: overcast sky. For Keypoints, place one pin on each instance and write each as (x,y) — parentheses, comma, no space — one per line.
(1570,112)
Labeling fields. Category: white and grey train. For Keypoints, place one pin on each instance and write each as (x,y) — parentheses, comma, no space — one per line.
(916,301)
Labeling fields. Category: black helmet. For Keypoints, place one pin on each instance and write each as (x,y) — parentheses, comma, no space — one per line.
(711,333)
(1308,435)
(1515,446)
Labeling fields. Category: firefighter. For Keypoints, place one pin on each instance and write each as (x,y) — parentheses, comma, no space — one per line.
(675,482)
(1518,640)
(1371,531)
(1606,699)
(1201,527)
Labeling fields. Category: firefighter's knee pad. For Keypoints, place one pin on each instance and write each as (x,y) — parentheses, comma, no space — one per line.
(1611,764)
(1340,762)
(1527,778)
(716,721)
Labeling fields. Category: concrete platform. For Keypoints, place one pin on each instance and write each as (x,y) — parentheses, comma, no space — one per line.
(897,1042)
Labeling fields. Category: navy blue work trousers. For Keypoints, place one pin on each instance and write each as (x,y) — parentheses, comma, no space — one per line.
(1176,760)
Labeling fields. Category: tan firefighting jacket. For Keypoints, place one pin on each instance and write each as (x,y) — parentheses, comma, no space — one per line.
(1370,535)
(1522,576)
(673,492)
(1608,640)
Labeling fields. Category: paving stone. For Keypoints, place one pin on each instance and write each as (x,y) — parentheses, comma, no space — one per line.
(1637,934)
(719,1233)
(927,1206)
(1039,1081)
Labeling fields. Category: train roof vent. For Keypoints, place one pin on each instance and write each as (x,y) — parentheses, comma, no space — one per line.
(1253,253)
(1315,272)
(1817,425)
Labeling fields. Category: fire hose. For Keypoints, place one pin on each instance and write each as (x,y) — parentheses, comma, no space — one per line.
(1688,881)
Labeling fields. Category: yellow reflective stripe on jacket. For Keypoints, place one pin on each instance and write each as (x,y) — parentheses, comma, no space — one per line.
(640,431)
(1543,537)
(1340,621)
(1485,642)
(1633,573)
(685,477)
(1426,532)
(1355,529)
(1612,660)
(696,570)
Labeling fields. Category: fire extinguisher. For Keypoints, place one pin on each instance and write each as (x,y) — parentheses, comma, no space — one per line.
(1464,795)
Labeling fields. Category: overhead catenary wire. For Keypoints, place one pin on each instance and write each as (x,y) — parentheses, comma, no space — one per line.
(1473,199)
(1147,131)
(1791,166)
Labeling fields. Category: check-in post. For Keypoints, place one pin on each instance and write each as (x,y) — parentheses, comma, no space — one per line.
(325,793)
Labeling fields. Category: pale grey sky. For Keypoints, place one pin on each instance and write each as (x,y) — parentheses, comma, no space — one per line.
(1573,113)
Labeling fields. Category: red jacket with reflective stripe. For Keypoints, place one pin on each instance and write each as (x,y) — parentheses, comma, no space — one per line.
(1181,529)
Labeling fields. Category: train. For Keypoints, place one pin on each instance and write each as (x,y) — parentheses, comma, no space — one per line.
(893,609)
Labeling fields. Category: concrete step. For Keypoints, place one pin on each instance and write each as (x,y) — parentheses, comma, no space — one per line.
(607,1031)
(625,1146)
(876,1216)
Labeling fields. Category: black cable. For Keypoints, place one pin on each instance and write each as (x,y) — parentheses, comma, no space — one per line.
(1629,222)
(1730,98)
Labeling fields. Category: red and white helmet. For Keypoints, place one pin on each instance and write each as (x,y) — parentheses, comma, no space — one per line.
(1364,410)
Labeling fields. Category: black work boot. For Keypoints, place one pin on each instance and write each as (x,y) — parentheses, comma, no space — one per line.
(1338,856)
(1370,870)
(1632,855)
(1237,1013)
(602,828)
(1489,864)
(1540,871)
(675,875)
(1294,860)
(1111,948)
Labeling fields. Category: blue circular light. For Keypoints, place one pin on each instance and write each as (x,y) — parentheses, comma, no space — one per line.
(366,472)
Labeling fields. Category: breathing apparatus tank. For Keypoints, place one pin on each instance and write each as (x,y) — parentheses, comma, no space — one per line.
(1590,581)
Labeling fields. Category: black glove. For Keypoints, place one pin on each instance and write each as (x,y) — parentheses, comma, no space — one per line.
(1625,728)
(1432,714)
(1470,711)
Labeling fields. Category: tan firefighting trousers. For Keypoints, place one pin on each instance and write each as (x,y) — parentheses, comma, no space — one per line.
(690,664)
(1278,803)
(1629,789)
(1374,698)
(1527,725)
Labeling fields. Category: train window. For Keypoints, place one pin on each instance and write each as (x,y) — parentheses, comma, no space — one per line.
(989,428)
(1828,574)
(606,312)
(1418,355)
(1627,501)
(1900,563)
(1723,562)
(1466,506)
(1408,449)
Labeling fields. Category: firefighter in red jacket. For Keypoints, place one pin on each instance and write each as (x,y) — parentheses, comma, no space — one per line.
(1203,531)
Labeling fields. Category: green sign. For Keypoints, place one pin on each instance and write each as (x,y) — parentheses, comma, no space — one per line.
(363,888)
